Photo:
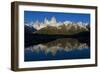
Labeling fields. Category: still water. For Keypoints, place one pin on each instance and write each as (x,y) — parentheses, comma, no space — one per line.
(59,49)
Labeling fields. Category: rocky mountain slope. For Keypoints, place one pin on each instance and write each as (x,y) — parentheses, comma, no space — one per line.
(54,27)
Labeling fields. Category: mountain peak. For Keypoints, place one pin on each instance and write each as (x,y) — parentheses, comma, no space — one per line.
(46,21)
(53,22)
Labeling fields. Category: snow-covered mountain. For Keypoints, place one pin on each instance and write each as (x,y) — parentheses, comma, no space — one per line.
(54,27)
(38,25)
(29,28)
(53,22)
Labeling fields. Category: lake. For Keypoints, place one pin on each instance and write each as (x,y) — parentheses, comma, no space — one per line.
(58,49)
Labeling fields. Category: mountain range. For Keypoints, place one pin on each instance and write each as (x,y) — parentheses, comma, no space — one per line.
(54,27)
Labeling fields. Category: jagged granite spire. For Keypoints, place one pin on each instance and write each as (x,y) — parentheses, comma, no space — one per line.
(53,21)
(46,22)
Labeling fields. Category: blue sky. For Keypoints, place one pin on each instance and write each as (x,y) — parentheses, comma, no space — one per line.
(30,16)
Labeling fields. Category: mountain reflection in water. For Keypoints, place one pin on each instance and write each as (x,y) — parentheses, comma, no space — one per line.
(65,48)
